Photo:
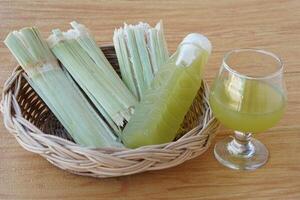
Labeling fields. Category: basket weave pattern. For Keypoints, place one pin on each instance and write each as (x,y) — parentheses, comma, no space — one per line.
(35,127)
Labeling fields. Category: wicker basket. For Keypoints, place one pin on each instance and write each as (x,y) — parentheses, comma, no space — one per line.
(35,127)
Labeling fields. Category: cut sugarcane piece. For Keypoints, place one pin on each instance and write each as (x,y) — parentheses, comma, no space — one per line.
(157,47)
(148,73)
(78,52)
(126,70)
(137,68)
(141,50)
(58,91)
(88,43)
(158,116)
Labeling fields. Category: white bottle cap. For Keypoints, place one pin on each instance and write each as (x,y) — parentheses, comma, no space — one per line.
(199,40)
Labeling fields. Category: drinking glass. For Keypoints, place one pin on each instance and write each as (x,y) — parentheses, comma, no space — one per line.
(248,96)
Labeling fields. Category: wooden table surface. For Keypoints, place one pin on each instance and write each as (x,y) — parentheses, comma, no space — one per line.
(272,25)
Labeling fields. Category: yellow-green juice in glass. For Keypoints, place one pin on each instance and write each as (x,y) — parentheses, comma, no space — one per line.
(248,96)
(246,105)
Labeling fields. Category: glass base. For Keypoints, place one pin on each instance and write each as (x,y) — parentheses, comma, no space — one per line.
(228,153)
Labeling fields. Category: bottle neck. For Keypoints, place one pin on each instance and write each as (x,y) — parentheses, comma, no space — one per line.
(187,53)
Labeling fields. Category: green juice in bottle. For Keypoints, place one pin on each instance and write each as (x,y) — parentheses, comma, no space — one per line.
(158,116)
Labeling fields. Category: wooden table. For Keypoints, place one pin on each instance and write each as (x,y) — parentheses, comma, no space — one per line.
(272,25)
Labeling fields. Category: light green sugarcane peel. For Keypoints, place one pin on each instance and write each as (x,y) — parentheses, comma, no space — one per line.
(58,90)
(80,55)
(141,50)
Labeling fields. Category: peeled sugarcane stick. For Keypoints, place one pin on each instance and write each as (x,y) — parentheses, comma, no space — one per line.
(58,91)
(78,52)
(141,50)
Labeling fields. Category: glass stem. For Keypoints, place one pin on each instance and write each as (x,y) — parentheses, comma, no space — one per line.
(241,145)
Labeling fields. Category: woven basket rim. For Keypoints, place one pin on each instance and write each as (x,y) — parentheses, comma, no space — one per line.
(18,70)
(65,154)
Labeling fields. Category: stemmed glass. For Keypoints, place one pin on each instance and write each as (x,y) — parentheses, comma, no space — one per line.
(248,96)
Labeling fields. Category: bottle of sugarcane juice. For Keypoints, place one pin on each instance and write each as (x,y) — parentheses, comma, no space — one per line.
(158,116)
